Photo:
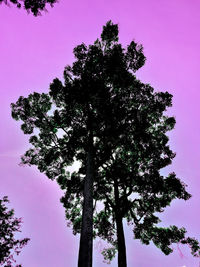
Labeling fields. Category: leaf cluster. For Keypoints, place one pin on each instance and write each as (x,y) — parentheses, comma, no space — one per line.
(33,6)
(9,225)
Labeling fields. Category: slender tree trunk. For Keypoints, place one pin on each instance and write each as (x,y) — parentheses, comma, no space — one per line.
(120,230)
(86,239)
(121,243)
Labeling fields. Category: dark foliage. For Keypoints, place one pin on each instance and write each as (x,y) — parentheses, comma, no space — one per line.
(102,105)
(9,245)
(33,6)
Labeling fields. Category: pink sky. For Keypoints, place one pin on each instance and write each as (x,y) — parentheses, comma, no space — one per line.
(33,51)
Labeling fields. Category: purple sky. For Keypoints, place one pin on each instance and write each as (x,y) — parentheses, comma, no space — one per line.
(33,51)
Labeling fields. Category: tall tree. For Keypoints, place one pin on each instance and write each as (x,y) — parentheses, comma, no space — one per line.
(98,112)
(81,106)
(9,225)
(34,6)
(129,182)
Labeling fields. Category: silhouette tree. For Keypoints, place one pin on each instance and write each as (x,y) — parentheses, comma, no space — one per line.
(81,106)
(9,245)
(143,194)
(101,111)
(34,6)
(136,189)
(129,182)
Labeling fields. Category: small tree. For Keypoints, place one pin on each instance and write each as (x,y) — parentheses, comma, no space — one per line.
(35,6)
(9,225)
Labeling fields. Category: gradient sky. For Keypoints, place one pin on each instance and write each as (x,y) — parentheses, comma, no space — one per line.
(33,51)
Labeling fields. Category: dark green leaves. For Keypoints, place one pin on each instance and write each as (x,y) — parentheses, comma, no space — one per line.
(35,6)
(80,51)
(175,187)
(161,237)
(101,98)
(109,254)
(134,56)
(109,33)
(193,244)
(57,92)
(32,111)
(9,226)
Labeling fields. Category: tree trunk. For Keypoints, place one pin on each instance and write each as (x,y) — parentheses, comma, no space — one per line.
(86,239)
(121,243)
(121,246)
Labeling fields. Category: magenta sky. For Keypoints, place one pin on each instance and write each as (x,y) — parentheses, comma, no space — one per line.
(35,50)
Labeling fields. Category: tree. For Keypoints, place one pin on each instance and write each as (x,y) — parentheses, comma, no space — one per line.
(81,108)
(9,245)
(101,111)
(150,196)
(129,183)
(136,189)
(35,6)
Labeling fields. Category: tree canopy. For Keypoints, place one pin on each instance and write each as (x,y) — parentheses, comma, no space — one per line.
(9,225)
(33,6)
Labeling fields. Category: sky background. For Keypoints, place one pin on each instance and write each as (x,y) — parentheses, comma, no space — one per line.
(33,51)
